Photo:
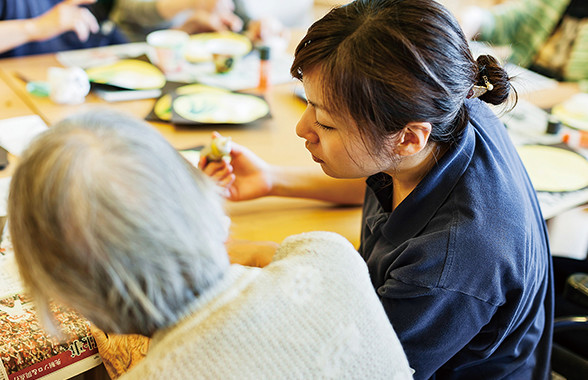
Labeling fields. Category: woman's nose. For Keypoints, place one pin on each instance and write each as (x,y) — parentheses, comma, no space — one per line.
(305,126)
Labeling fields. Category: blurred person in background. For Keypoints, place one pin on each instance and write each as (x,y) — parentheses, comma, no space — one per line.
(546,36)
(137,18)
(260,20)
(48,26)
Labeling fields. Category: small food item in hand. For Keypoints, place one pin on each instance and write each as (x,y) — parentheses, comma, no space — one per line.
(218,147)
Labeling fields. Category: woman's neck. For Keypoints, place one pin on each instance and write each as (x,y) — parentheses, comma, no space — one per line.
(411,170)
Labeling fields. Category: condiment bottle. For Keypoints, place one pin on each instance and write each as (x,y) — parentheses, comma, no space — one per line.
(264,68)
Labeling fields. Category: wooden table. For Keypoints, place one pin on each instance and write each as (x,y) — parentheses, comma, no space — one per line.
(274,140)
(11,105)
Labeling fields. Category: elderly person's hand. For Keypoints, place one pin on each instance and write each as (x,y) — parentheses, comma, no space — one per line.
(120,352)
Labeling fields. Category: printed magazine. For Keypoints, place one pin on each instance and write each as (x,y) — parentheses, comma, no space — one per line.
(27,352)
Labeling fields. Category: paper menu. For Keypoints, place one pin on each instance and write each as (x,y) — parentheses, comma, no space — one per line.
(16,133)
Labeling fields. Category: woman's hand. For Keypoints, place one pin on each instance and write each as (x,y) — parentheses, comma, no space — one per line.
(119,352)
(245,177)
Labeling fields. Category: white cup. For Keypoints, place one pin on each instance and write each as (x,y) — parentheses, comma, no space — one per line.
(168,47)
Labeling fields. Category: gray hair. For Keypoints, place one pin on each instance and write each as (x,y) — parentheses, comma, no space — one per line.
(108,218)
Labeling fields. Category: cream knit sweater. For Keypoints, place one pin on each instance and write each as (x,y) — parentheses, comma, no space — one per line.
(311,314)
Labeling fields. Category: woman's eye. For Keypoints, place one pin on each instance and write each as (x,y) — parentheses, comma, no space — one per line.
(323,126)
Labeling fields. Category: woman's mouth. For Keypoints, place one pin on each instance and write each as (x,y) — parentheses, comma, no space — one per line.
(314,158)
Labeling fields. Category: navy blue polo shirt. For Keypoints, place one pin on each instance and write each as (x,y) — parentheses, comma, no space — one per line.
(462,265)
(25,9)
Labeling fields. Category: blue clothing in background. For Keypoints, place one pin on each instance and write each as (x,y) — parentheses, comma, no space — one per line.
(462,265)
(25,9)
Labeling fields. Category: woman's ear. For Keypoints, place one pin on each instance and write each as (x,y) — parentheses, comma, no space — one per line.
(413,138)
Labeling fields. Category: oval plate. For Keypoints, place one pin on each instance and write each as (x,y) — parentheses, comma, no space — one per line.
(220,108)
(554,169)
(128,73)
(573,112)
(163,105)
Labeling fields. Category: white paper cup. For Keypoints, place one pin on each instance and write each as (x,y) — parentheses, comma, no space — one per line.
(168,48)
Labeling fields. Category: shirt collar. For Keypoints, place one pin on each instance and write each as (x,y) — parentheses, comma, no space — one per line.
(429,194)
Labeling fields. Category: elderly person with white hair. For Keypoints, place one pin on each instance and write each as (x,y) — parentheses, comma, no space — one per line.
(107,218)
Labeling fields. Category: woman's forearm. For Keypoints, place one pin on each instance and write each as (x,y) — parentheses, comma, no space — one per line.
(302,182)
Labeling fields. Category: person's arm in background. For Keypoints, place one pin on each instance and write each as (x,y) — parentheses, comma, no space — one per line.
(288,13)
(268,22)
(523,25)
(168,9)
(152,13)
(64,17)
(201,21)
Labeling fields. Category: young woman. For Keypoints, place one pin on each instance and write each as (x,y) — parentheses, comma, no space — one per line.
(452,231)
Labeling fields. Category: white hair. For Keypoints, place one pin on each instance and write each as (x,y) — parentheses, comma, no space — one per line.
(109,219)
